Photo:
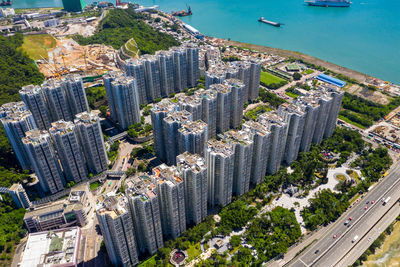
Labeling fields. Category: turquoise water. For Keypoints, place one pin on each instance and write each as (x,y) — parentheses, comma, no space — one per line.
(364,37)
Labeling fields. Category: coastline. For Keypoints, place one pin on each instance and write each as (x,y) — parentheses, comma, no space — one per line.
(287,53)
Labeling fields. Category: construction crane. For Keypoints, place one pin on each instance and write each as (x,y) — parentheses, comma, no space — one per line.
(63,59)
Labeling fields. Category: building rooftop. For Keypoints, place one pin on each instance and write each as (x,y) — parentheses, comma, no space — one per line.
(36,137)
(30,90)
(187,161)
(193,127)
(122,80)
(164,173)
(141,185)
(221,88)
(221,148)
(256,127)
(52,248)
(234,82)
(16,116)
(291,108)
(271,118)
(235,136)
(51,84)
(193,100)
(10,108)
(86,118)
(164,105)
(113,205)
(113,75)
(61,127)
(178,116)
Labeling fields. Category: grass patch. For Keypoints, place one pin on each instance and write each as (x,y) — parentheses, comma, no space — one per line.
(343,118)
(308,71)
(149,262)
(341,177)
(36,45)
(255,112)
(94,185)
(292,95)
(354,175)
(269,78)
(193,251)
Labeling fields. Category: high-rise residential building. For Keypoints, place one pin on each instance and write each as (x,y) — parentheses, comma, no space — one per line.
(118,231)
(180,68)
(145,210)
(238,100)
(110,93)
(242,144)
(278,128)
(310,107)
(232,72)
(92,141)
(19,196)
(193,104)
(243,75)
(34,99)
(170,189)
(255,74)
(135,68)
(192,137)
(193,71)
(296,118)
(219,157)
(224,106)
(261,141)
(325,103)
(166,65)
(152,77)
(158,113)
(192,169)
(76,95)
(15,124)
(56,100)
(65,138)
(215,74)
(171,124)
(44,160)
(209,110)
(124,100)
(11,107)
(337,96)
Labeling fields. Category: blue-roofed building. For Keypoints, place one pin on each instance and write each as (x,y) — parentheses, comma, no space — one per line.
(331,80)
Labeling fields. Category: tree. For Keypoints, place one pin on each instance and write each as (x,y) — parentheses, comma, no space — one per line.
(103,110)
(157,20)
(235,241)
(296,76)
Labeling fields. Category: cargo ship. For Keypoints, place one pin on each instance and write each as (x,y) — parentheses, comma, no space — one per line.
(272,23)
(329,3)
(182,13)
(6,3)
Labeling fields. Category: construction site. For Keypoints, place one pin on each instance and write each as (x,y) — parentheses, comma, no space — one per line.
(70,57)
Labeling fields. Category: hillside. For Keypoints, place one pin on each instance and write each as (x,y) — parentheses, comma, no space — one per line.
(120,25)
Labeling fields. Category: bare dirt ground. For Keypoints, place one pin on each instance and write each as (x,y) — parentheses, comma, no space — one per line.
(69,56)
(374,96)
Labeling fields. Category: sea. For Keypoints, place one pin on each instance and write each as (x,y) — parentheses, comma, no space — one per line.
(364,37)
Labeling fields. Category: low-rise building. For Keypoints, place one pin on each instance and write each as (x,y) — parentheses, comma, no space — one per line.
(64,213)
(54,248)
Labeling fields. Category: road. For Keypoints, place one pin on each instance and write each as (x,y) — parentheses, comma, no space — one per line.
(366,241)
(325,251)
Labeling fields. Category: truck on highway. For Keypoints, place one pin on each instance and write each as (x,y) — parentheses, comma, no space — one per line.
(354,239)
(386,201)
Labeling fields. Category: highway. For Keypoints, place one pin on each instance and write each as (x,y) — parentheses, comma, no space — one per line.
(369,238)
(328,250)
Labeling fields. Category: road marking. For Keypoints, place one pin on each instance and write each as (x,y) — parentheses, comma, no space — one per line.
(303,262)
